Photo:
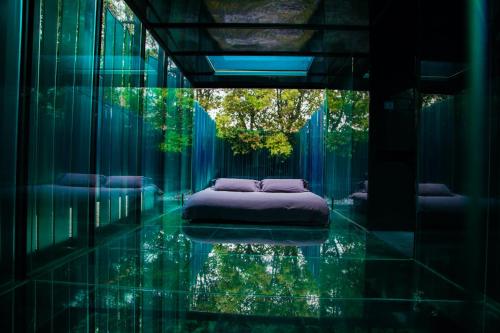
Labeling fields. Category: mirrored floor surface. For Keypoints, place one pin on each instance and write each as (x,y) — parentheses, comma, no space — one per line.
(169,276)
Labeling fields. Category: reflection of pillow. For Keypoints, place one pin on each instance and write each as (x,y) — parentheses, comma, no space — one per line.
(283,185)
(433,190)
(236,185)
(81,180)
(127,181)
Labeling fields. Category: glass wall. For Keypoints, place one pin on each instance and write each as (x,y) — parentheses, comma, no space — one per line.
(106,151)
(257,164)
(493,222)
(60,127)
(457,187)
(178,133)
(442,194)
(153,120)
(204,149)
(120,107)
(334,152)
(346,151)
(312,151)
(10,34)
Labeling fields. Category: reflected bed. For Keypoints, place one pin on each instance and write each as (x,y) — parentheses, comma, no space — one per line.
(253,234)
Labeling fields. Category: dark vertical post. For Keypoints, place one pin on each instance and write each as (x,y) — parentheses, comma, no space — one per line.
(95,119)
(393,106)
(21,225)
(91,263)
(493,227)
(140,119)
(163,84)
(138,235)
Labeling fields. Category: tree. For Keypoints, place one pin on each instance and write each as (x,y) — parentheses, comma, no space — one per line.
(346,120)
(120,10)
(209,99)
(278,144)
(292,108)
(251,119)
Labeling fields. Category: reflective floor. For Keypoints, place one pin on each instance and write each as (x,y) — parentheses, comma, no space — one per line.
(172,277)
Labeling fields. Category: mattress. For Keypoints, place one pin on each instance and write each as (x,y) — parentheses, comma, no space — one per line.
(258,207)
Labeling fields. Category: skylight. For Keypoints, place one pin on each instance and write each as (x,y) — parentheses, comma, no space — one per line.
(260,65)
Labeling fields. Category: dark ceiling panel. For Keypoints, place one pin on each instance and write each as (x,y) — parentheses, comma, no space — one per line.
(334,32)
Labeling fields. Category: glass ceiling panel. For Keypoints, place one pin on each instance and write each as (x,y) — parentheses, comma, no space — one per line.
(261,65)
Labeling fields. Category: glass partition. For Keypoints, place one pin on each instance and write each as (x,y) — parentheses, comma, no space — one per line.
(153,120)
(204,153)
(457,187)
(143,127)
(258,129)
(60,128)
(120,98)
(346,151)
(177,140)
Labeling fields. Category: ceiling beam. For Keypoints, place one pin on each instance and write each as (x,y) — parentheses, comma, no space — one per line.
(288,26)
(276,53)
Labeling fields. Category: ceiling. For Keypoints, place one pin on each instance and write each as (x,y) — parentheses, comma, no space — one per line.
(331,36)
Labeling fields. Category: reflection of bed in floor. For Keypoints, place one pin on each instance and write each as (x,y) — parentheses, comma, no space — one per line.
(257,206)
(436,204)
(243,240)
(247,234)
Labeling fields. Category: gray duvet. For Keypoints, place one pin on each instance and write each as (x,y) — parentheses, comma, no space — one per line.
(296,208)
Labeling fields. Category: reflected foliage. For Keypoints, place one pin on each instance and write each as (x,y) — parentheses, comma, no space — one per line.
(346,120)
(178,123)
(236,278)
(170,115)
(431,99)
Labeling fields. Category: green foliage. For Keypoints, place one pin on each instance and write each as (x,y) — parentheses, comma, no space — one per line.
(209,99)
(278,145)
(174,142)
(178,122)
(251,119)
(120,10)
(242,141)
(170,111)
(346,120)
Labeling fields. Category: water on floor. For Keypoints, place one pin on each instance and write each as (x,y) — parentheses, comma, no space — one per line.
(169,276)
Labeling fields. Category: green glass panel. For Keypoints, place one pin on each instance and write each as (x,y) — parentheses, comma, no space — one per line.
(60,127)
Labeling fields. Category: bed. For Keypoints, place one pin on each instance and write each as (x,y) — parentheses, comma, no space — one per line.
(276,201)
